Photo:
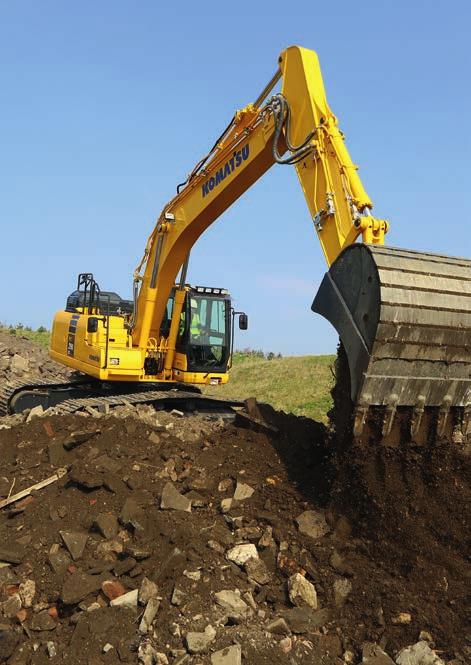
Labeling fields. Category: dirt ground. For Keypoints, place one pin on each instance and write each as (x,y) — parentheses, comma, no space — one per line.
(345,547)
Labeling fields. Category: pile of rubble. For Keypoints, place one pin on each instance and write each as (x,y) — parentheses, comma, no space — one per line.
(152,538)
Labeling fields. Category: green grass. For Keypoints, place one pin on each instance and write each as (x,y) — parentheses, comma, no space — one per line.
(297,384)
(39,336)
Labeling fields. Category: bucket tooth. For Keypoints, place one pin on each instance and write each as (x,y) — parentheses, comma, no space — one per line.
(389,414)
(466,426)
(443,415)
(359,419)
(417,415)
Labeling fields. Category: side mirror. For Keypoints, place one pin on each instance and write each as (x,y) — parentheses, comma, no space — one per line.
(243,321)
(92,324)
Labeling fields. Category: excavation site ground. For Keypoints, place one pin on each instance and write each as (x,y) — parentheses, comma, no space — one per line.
(162,538)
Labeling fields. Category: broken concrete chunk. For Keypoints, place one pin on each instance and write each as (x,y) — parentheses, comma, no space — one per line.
(77,438)
(11,554)
(127,600)
(132,516)
(86,478)
(418,654)
(149,615)
(278,627)
(173,500)
(229,656)
(240,554)
(8,641)
(43,621)
(232,602)
(78,586)
(312,524)
(305,619)
(107,525)
(75,542)
(27,591)
(199,642)
(342,589)
(11,606)
(59,561)
(35,412)
(374,655)
(147,590)
(243,491)
(302,592)
(257,571)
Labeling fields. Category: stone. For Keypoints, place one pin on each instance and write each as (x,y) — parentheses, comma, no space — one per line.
(107,647)
(243,491)
(225,485)
(77,438)
(401,619)
(154,438)
(278,627)
(18,364)
(233,603)
(8,641)
(43,621)
(27,591)
(178,597)
(59,561)
(306,620)
(35,412)
(150,612)
(199,642)
(107,525)
(147,590)
(113,589)
(302,592)
(286,644)
(51,649)
(124,566)
(11,554)
(257,571)
(342,589)
(78,586)
(132,516)
(138,552)
(312,524)
(84,477)
(146,653)
(372,654)
(240,554)
(11,606)
(172,499)
(229,656)
(226,505)
(75,542)
(127,600)
(418,654)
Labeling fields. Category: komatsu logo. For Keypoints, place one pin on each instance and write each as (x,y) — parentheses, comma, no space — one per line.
(231,165)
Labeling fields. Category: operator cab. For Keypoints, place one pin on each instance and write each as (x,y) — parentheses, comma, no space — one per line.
(205,330)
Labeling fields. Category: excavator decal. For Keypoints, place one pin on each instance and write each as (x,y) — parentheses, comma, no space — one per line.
(230,166)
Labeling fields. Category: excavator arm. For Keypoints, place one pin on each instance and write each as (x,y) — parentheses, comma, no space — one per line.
(296,127)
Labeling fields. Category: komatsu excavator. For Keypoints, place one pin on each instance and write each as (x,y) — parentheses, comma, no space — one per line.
(403,317)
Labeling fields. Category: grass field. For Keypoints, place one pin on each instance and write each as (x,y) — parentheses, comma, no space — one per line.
(296,384)
(41,336)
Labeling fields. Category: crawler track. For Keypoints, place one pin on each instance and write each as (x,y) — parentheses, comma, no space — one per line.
(71,397)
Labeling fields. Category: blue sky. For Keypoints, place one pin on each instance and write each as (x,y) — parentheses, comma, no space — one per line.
(105,107)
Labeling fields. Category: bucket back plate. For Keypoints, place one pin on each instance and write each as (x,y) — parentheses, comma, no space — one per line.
(404,318)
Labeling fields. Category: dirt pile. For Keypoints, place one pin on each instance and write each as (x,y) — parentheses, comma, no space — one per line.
(167,539)
(21,360)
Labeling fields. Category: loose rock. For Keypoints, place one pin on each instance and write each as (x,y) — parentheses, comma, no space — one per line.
(173,500)
(302,592)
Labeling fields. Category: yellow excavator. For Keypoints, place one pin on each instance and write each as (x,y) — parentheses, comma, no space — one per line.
(403,317)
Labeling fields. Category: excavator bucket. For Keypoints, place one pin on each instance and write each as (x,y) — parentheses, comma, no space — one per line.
(404,319)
